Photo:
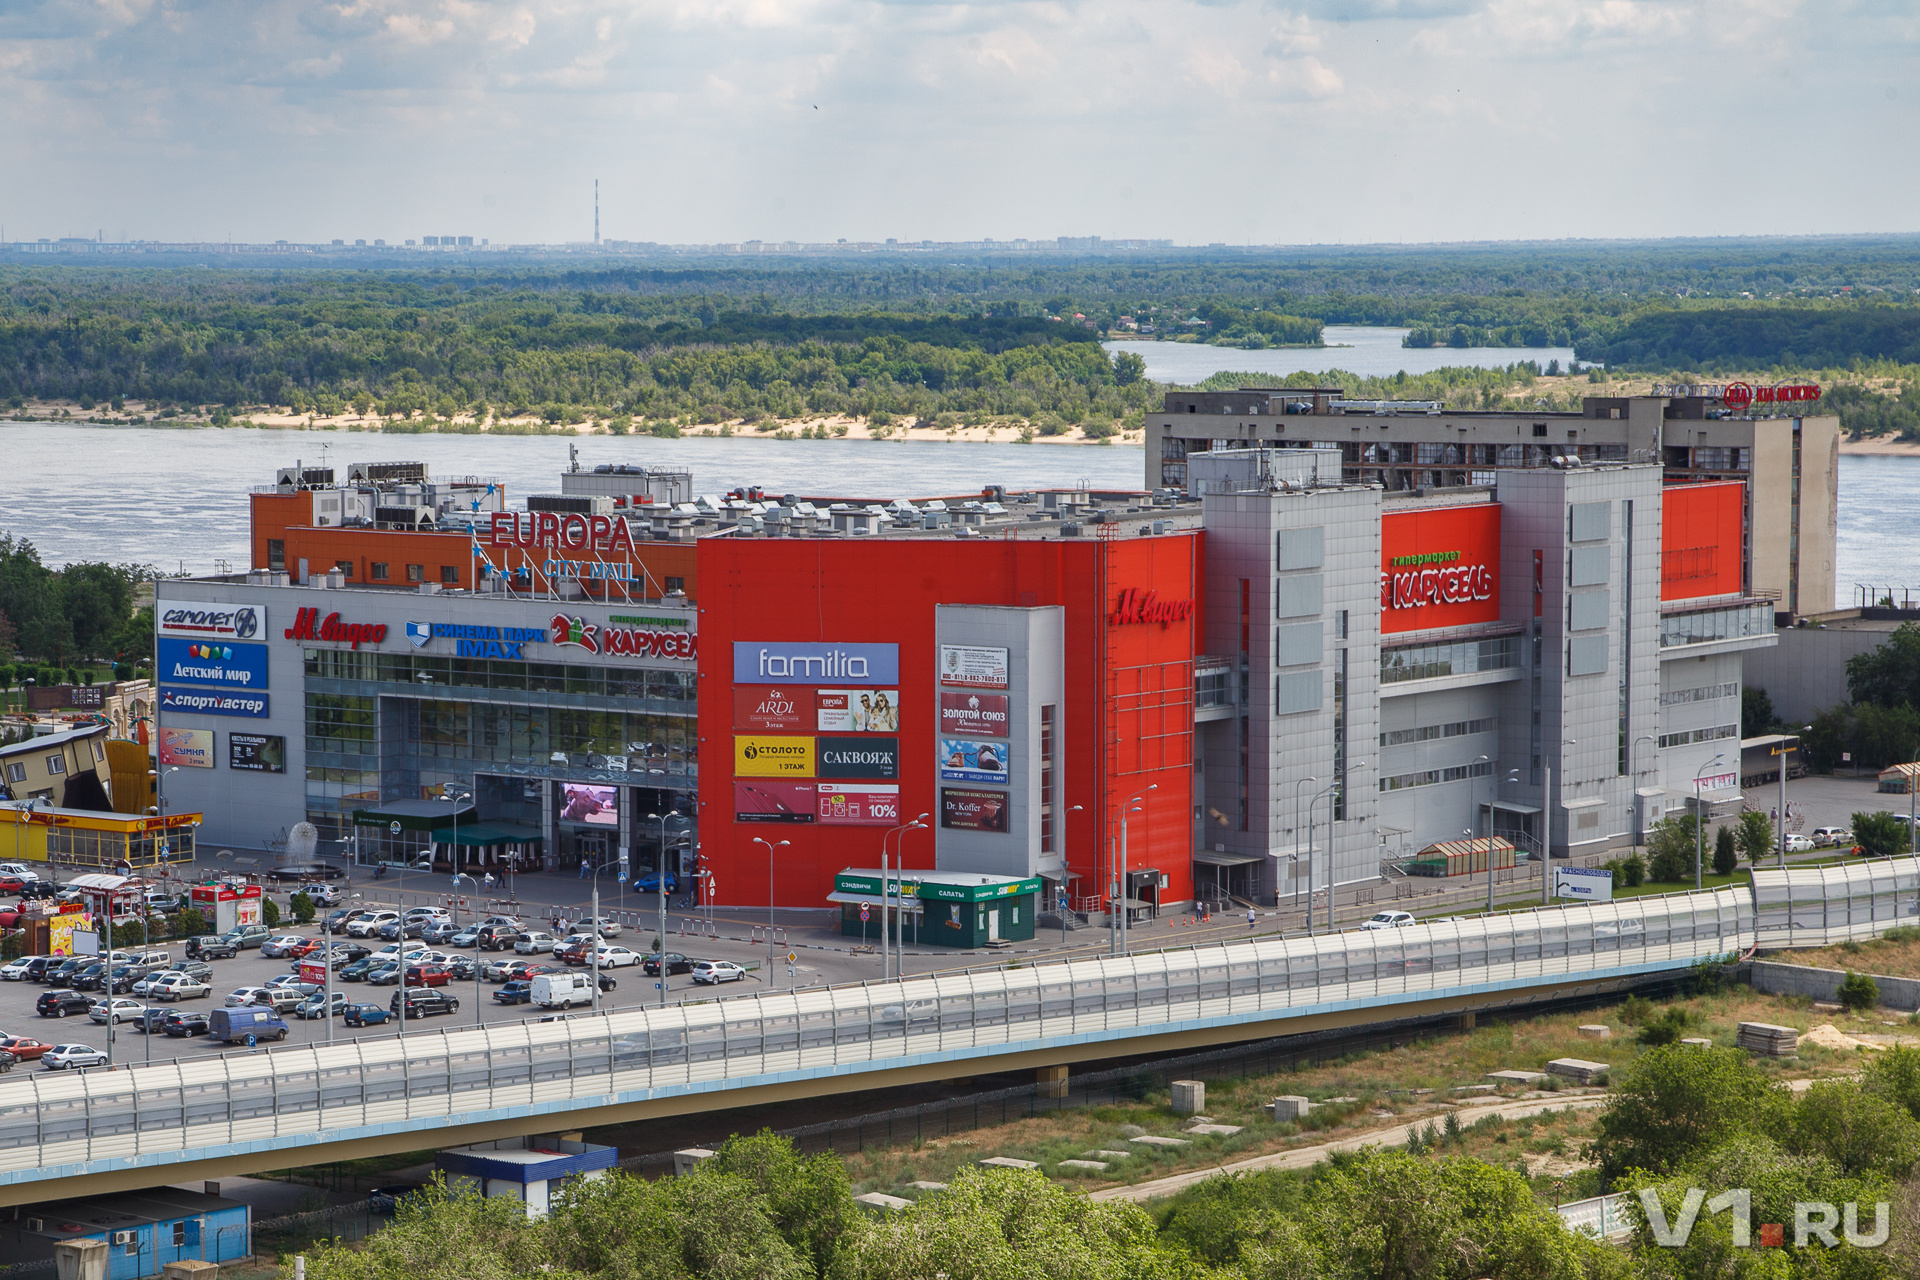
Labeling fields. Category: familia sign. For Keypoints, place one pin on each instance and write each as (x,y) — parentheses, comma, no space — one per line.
(775,662)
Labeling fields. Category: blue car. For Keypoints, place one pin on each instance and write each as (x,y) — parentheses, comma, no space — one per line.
(650,883)
(366,1015)
(516,992)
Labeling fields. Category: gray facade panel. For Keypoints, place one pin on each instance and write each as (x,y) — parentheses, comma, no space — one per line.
(1589,566)
(1299,644)
(1299,596)
(1588,610)
(1302,548)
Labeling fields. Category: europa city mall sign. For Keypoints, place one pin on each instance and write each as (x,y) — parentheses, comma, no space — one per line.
(1439,568)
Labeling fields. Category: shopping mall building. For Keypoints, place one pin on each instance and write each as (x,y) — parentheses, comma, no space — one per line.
(1294,642)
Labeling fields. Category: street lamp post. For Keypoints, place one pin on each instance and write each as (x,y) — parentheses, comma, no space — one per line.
(1700,819)
(1120,934)
(761,840)
(1546,832)
(1311,804)
(660,883)
(458,876)
(1296,845)
(889,960)
(1639,822)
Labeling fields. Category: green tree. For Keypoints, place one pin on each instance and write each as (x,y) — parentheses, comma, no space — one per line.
(1725,860)
(1756,712)
(1888,675)
(1879,834)
(1756,838)
(807,1197)
(1128,368)
(1857,1128)
(1674,1103)
(1859,992)
(270,912)
(1895,1075)
(97,600)
(302,907)
(1670,849)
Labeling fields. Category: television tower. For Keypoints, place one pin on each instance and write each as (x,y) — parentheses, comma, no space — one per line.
(596,211)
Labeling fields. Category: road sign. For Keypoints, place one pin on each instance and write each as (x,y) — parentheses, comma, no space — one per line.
(393,828)
(791,957)
(622,875)
(865,912)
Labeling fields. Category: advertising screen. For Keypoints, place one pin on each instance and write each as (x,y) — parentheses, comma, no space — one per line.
(1439,568)
(188,748)
(973,666)
(857,710)
(859,757)
(962,809)
(257,752)
(759,708)
(227,666)
(778,661)
(595,806)
(983,715)
(859,804)
(762,756)
(773,801)
(964,760)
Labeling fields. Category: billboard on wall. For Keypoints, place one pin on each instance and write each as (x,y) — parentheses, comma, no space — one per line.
(858,804)
(213,621)
(228,666)
(773,801)
(857,710)
(767,756)
(187,748)
(761,708)
(965,760)
(973,666)
(257,752)
(984,715)
(780,661)
(859,757)
(964,809)
(1439,567)
(1700,540)
(595,806)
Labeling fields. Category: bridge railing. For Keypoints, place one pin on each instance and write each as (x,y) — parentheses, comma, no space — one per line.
(54,1125)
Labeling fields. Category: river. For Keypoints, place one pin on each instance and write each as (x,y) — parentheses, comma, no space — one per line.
(175,497)
(1368,350)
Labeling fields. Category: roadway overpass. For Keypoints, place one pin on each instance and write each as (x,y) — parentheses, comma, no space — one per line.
(68,1135)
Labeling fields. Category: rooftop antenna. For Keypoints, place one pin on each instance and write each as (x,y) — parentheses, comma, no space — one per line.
(573,457)
(596,211)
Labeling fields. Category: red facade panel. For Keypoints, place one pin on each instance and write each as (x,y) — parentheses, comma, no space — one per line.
(1127,722)
(1700,542)
(1439,567)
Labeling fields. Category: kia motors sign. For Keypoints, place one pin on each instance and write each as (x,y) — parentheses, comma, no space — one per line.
(983,715)
(973,666)
(859,757)
(963,809)
(758,756)
(770,708)
(1741,395)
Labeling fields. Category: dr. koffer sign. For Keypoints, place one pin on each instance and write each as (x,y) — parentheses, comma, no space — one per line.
(1588,884)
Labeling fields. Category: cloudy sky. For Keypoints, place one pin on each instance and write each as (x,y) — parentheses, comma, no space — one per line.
(1316,121)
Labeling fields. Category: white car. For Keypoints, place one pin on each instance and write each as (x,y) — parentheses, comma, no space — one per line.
(572,939)
(249,997)
(369,924)
(178,986)
(1797,843)
(15,970)
(292,982)
(1389,920)
(20,869)
(620,957)
(79,1056)
(505,922)
(117,1011)
(1822,836)
(717,971)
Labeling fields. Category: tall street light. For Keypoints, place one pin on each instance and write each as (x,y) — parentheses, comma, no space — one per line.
(1639,823)
(1546,838)
(1129,807)
(1298,782)
(458,876)
(1700,819)
(1475,823)
(770,848)
(660,883)
(1328,790)
(889,966)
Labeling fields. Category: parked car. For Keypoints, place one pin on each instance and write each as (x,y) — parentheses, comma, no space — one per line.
(1389,920)
(610,957)
(509,922)
(516,992)
(323,895)
(1797,843)
(562,990)
(38,966)
(463,968)
(151,1020)
(16,970)
(717,971)
(24,1048)
(534,943)
(88,977)
(676,963)
(116,1011)
(19,869)
(359,969)
(288,945)
(337,922)
(292,982)
(650,883)
(363,1015)
(249,998)
(63,1057)
(397,929)
(428,975)
(315,1005)
(438,931)
(233,1026)
(122,979)
(1822,838)
(368,923)
(208,946)
(385,973)
(422,1002)
(247,935)
(59,1003)
(61,975)
(182,1022)
(467,936)
(174,987)
(343,953)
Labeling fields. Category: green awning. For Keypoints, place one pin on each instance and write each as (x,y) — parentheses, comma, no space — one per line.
(412,815)
(481,834)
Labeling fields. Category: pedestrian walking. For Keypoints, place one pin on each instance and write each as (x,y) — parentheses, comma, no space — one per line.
(1250,917)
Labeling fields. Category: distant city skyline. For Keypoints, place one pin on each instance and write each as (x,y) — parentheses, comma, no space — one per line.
(1315,122)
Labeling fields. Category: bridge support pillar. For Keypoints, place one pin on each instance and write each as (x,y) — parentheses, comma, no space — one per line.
(1466,1021)
(1052,1081)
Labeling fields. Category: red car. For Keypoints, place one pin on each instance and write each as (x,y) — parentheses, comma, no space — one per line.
(24,1048)
(304,947)
(427,975)
(12,885)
